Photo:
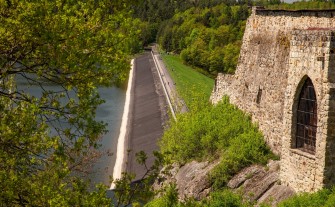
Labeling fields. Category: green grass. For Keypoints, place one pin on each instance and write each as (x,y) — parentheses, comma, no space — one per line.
(187,79)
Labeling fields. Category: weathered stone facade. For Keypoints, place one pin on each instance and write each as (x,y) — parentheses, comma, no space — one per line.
(280,50)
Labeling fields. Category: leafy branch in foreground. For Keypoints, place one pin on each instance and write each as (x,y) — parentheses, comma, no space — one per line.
(63,50)
(129,192)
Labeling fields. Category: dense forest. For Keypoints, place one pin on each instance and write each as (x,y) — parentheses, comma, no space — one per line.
(206,34)
(207,38)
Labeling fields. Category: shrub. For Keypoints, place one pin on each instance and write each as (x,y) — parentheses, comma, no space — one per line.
(225,198)
(220,131)
(322,198)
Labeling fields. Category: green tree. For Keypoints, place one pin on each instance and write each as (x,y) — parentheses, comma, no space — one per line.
(45,141)
(133,193)
(231,53)
(201,36)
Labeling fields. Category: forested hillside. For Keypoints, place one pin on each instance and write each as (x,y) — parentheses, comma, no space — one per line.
(207,38)
(304,5)
(153,13)
(206,34)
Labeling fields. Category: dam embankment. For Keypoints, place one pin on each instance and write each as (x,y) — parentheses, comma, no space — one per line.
(146,114)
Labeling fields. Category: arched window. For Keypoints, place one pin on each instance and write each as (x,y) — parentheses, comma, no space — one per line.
(306,118)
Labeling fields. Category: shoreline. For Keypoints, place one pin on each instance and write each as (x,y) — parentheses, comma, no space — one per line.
(122,139)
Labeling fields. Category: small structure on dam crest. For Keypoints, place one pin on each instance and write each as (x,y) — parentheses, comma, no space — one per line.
(285,80)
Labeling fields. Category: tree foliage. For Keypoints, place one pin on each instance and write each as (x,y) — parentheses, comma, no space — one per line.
(207,38)
(208,34)
(315,4)
(46,139)
(153,13)
(129,193)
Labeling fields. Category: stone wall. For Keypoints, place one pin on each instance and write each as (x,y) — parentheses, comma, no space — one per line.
(259,83)
(309,57)
(280,49)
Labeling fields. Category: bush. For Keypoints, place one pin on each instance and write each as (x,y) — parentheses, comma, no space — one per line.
(322,198)
(170,199)
(210,132)
(225,198)
(245,149)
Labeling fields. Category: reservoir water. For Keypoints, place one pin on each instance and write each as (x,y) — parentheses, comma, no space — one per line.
(109,112)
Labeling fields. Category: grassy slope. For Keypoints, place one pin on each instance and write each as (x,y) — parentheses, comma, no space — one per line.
(187,80)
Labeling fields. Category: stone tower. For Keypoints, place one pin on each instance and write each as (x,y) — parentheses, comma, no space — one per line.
(285,79)
(308,151)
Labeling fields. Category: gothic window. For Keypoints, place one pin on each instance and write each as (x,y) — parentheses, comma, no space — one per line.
(259,96)
(306,118)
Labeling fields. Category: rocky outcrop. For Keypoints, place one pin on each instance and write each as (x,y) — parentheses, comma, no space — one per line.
(276,194)
(244,175)
(191,179)
(258,184)
(261,184)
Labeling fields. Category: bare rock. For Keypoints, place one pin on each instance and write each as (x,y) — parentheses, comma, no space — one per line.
(258,183)
(276,194)
(255,187)
(245,174)
(191,179)
(273,165)
(261,181)
(166,176)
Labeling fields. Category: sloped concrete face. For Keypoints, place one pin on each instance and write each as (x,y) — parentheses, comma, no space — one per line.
(280,50)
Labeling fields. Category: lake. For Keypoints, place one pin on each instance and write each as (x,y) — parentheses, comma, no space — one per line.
(109,112)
